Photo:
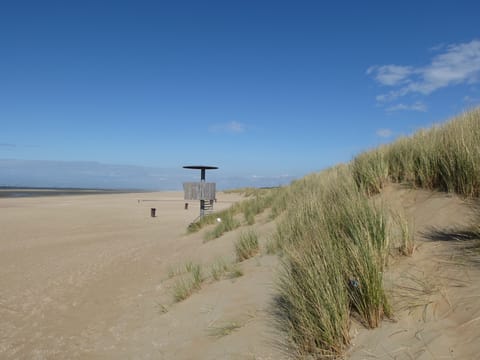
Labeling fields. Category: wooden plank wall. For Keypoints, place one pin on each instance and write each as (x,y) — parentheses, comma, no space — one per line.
(199,191)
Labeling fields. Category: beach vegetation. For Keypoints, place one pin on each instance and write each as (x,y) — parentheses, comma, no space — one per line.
(226,222)
(221,268)
(247,245)
(445,157)
(188,282)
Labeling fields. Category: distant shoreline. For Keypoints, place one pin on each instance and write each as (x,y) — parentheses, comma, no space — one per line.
(22,192)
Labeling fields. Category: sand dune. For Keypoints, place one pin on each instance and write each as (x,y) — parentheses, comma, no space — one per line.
(436,292)
(89,277)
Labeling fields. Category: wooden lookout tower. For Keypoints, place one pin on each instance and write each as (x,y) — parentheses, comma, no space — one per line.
(203,191)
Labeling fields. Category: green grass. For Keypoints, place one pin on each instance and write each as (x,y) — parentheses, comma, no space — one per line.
(445,157)
(204,221)
(235,272)
(219,268)
(313,301)
(188,283)
(222,269)
(224,329)
(370,171)
(227,223)
(272,246)
(335,242)
(247,245)
(258,200)
(334,238)
(404,234)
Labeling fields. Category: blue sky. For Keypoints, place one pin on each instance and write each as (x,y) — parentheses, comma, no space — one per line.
(123,93)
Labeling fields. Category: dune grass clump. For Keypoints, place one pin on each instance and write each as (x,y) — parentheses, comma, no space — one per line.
(370,171)
(224,329)
(335,242)
(251,208)
(272,245)
(188,283)
(406,243)
(257,202)
(219,268)
(223,269)
(227,223)
(247,245)
(235,272)
(445,157)
(313,303)
(208,219)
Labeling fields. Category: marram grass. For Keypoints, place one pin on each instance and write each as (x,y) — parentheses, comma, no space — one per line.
(247,245)
(445,157)
(227,223)
(258,200)
(188,283)
(335,242)
(223,269)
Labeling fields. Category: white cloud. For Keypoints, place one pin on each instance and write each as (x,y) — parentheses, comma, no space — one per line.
(391,95)
(72,174)
(390,75)
(418,106)
(437,47)
(384,133)
(456,64)
(234,127)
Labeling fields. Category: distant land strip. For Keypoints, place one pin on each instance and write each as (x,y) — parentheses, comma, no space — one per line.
(18,192)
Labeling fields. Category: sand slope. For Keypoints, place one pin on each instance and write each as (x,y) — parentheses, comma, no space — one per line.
(90,277)
(436,292)
(87,277)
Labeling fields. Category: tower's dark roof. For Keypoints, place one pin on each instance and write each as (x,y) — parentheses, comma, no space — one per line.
(200,167)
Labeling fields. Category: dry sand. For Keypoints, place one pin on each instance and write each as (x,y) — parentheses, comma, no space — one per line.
(436,292)
(88,277)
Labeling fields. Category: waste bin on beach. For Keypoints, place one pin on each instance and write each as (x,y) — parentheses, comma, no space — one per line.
(152,212)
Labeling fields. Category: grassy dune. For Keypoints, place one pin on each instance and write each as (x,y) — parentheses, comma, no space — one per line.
(445,157)
(335,242)
(335,238)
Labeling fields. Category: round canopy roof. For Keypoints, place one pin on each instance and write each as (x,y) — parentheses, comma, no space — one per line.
(200,167)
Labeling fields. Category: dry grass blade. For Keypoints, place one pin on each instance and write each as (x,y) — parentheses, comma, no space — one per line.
(247,245)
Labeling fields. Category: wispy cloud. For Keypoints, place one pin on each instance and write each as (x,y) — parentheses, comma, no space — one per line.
(7,145)
(390,75)
(455,64)
(14,172)
(437,47)
(418,106)
(233,127)
(384,133)
(40,173)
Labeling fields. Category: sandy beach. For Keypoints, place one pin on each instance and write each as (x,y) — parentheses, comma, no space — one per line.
(90,277)
(86,277)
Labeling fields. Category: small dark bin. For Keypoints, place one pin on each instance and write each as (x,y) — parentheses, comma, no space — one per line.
(186,206)
(152,212)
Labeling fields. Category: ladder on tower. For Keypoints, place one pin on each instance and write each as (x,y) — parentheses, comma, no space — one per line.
(208,206)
